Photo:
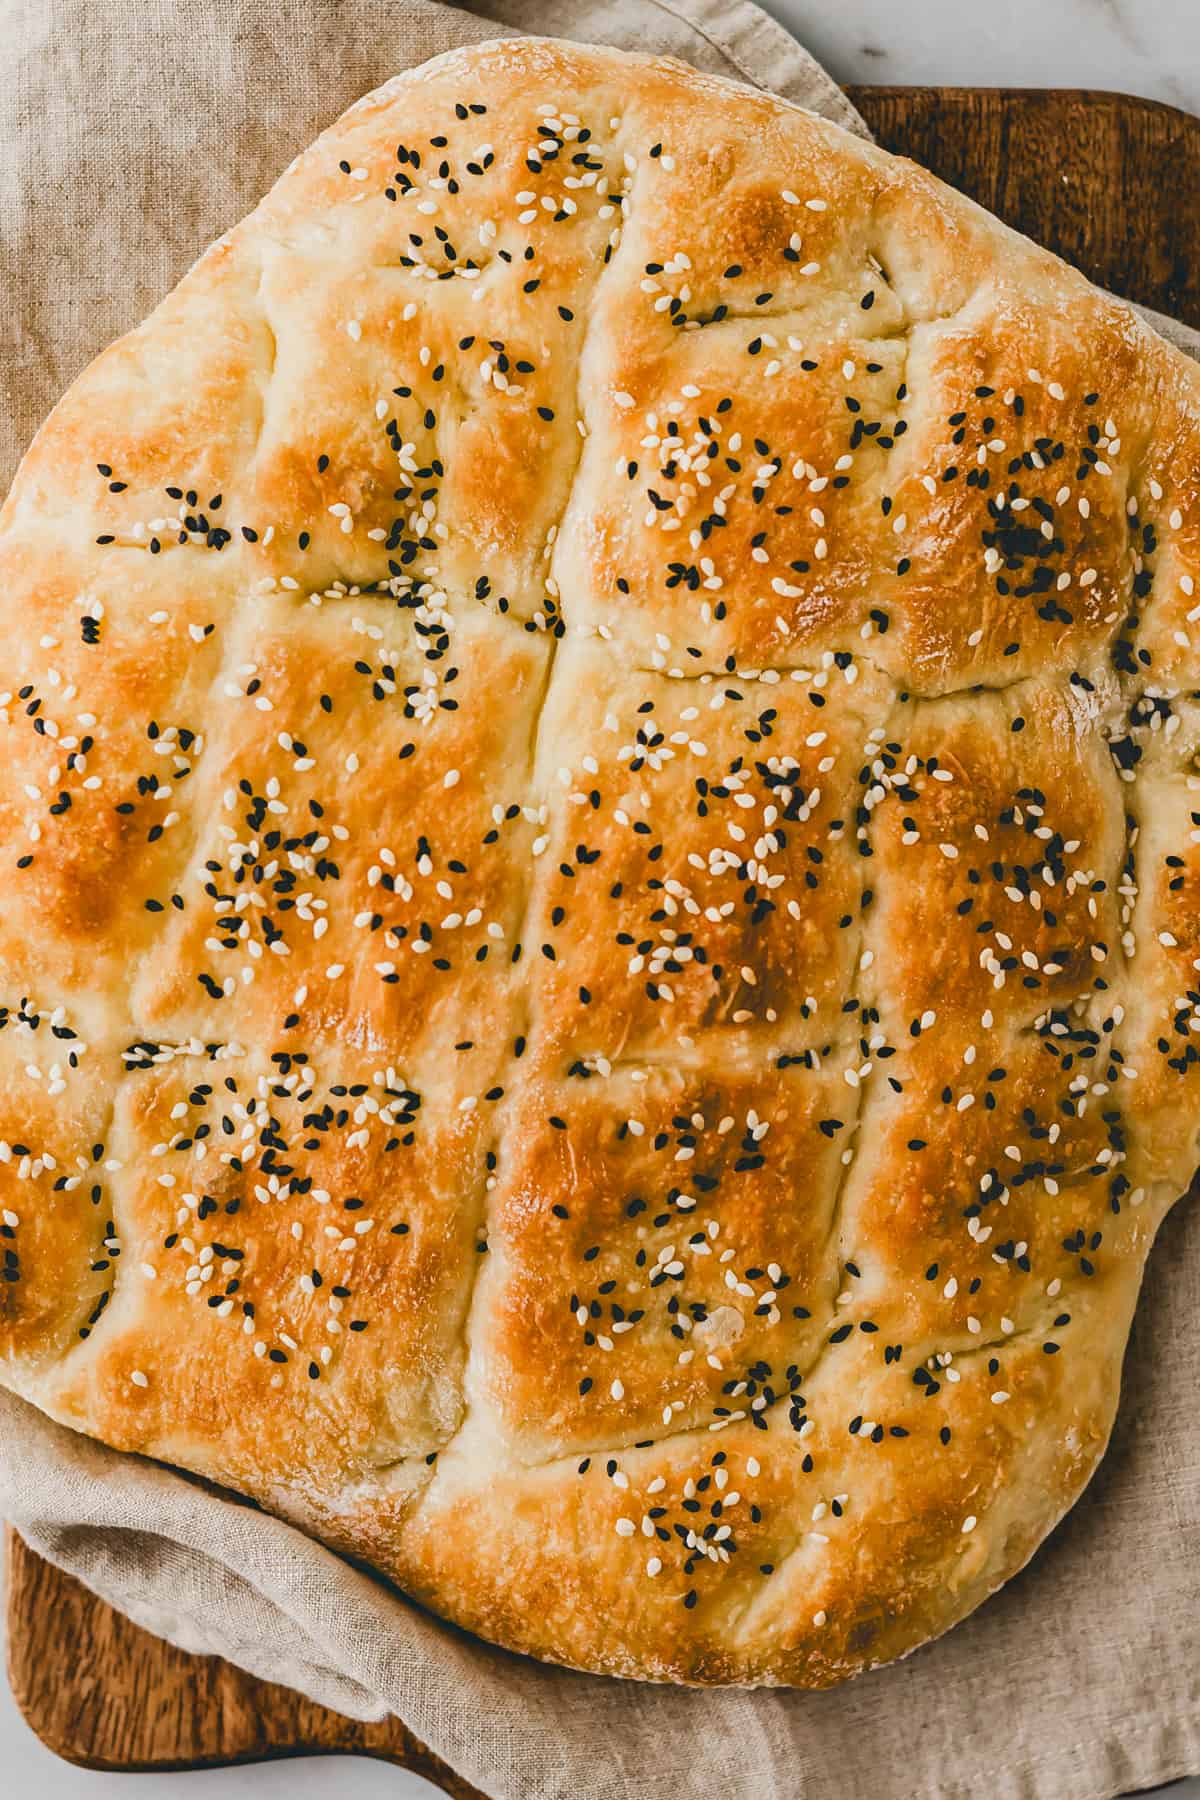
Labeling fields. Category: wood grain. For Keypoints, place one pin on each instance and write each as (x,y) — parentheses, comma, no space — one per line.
(1111,183)
(103,1693)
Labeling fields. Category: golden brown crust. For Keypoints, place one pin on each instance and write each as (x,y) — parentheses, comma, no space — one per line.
(599,821)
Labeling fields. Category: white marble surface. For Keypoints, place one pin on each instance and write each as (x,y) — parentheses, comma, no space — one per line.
(1149,47)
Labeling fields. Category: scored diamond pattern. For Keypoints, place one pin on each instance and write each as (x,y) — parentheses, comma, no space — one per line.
(598,816)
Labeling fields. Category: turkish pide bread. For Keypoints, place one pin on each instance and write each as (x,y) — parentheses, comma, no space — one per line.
(600,870)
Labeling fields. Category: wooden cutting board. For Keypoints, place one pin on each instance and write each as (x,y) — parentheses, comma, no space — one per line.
(1111,183)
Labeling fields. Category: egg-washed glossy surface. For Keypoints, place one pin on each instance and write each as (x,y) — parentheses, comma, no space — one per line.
(599,819)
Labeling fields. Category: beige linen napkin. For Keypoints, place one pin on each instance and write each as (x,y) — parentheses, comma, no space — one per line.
(131,137)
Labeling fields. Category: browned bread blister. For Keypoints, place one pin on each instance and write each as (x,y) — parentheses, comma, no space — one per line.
(599,822)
